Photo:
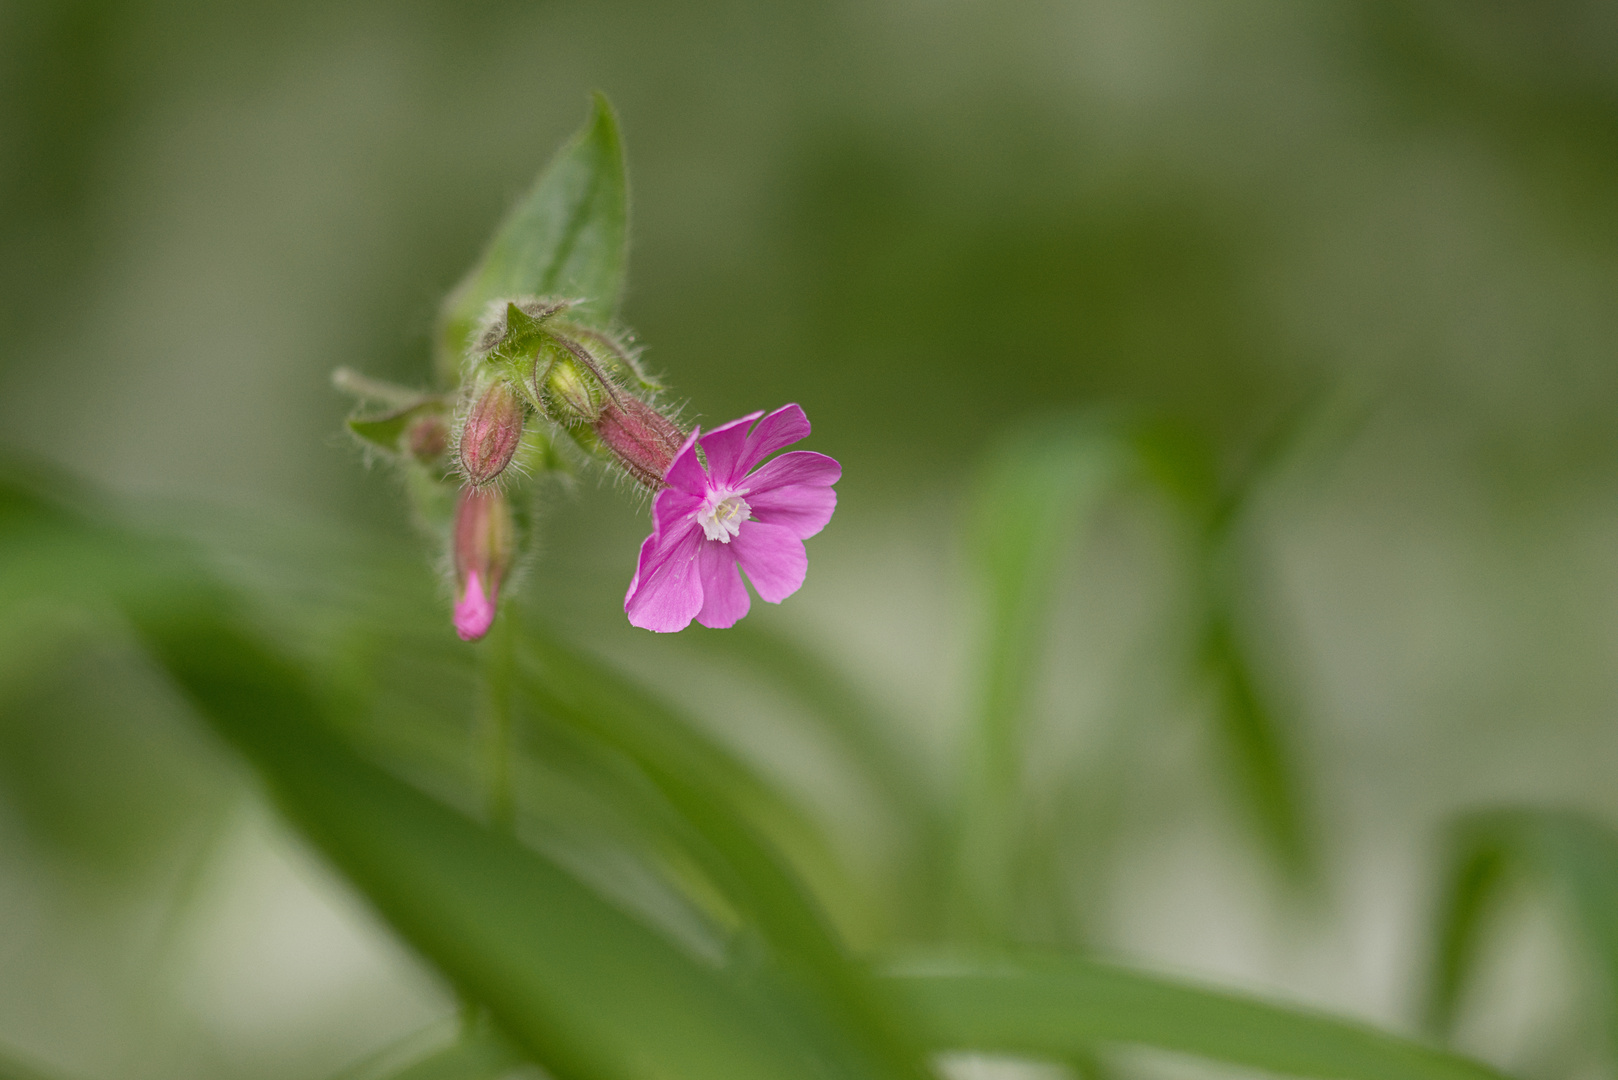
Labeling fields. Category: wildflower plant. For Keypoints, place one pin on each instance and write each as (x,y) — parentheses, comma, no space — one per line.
(537,380)
(742,965)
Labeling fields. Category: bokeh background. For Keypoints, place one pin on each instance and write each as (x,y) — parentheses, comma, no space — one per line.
(927,221)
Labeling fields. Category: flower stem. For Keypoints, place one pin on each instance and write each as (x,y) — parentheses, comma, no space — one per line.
(499,659)
(498,664)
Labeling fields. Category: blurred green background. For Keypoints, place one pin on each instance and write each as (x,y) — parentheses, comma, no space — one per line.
(927,223)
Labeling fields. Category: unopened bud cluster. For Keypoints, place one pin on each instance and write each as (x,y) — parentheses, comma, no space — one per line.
(532,358)
(536,377)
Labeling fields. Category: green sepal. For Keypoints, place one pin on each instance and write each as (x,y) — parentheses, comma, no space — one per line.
(520,329)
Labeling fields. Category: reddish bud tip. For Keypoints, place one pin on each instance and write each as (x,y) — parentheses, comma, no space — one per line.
(641,438)
(474,612)
(491,433)
(484,543)
(428,438)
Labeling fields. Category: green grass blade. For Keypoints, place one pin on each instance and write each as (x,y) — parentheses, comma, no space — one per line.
(841,711)
(566,238)
(721,804)
(1571,857)
(1028,504)
(872,743)
(444,1051)
(15,1066)
(1255,744)
(482,1057)
(1059,1007)
(590,992)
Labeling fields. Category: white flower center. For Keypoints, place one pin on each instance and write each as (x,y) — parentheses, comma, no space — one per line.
(722,515)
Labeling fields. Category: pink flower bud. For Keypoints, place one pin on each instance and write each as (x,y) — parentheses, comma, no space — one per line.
(484,542)
(428,438)
(490,435)
(641,438)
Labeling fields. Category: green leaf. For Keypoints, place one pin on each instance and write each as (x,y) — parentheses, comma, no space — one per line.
(566,238)
(1028,504)
(384,430)
(1062,1006)
(1569,856)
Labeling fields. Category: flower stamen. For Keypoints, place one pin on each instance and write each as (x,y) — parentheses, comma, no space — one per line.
(721,516)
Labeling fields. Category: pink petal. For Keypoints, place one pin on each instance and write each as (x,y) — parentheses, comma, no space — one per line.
(773,558)
(783,427)
(724,597)
(724,446)
(474,612)
(670,507)
(666,593)
(685,471)
(798,467)
(799,508)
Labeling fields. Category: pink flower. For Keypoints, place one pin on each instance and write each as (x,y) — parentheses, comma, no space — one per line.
(734,513)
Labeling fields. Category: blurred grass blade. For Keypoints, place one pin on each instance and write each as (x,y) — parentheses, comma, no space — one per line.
(590,698)
(481,1057)
(1254,741)
(567,237)
(445,1051)
(872,744)
(587,990)
(1062,1006)
(1028,503)
(721,803)
(15,1066)
(1571,857)
(842,711)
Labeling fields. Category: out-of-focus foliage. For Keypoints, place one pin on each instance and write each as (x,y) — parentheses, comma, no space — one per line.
(585,987)
(1568,858)
(1161,683)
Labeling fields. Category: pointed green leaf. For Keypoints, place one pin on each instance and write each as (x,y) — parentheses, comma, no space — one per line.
(1058,1006)
(1571,857)
(566,238)
(384,430)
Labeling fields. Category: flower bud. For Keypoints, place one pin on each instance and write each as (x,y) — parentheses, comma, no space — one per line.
(427,438)
(571,392)
(491,432)
(484,542)
(642,439)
